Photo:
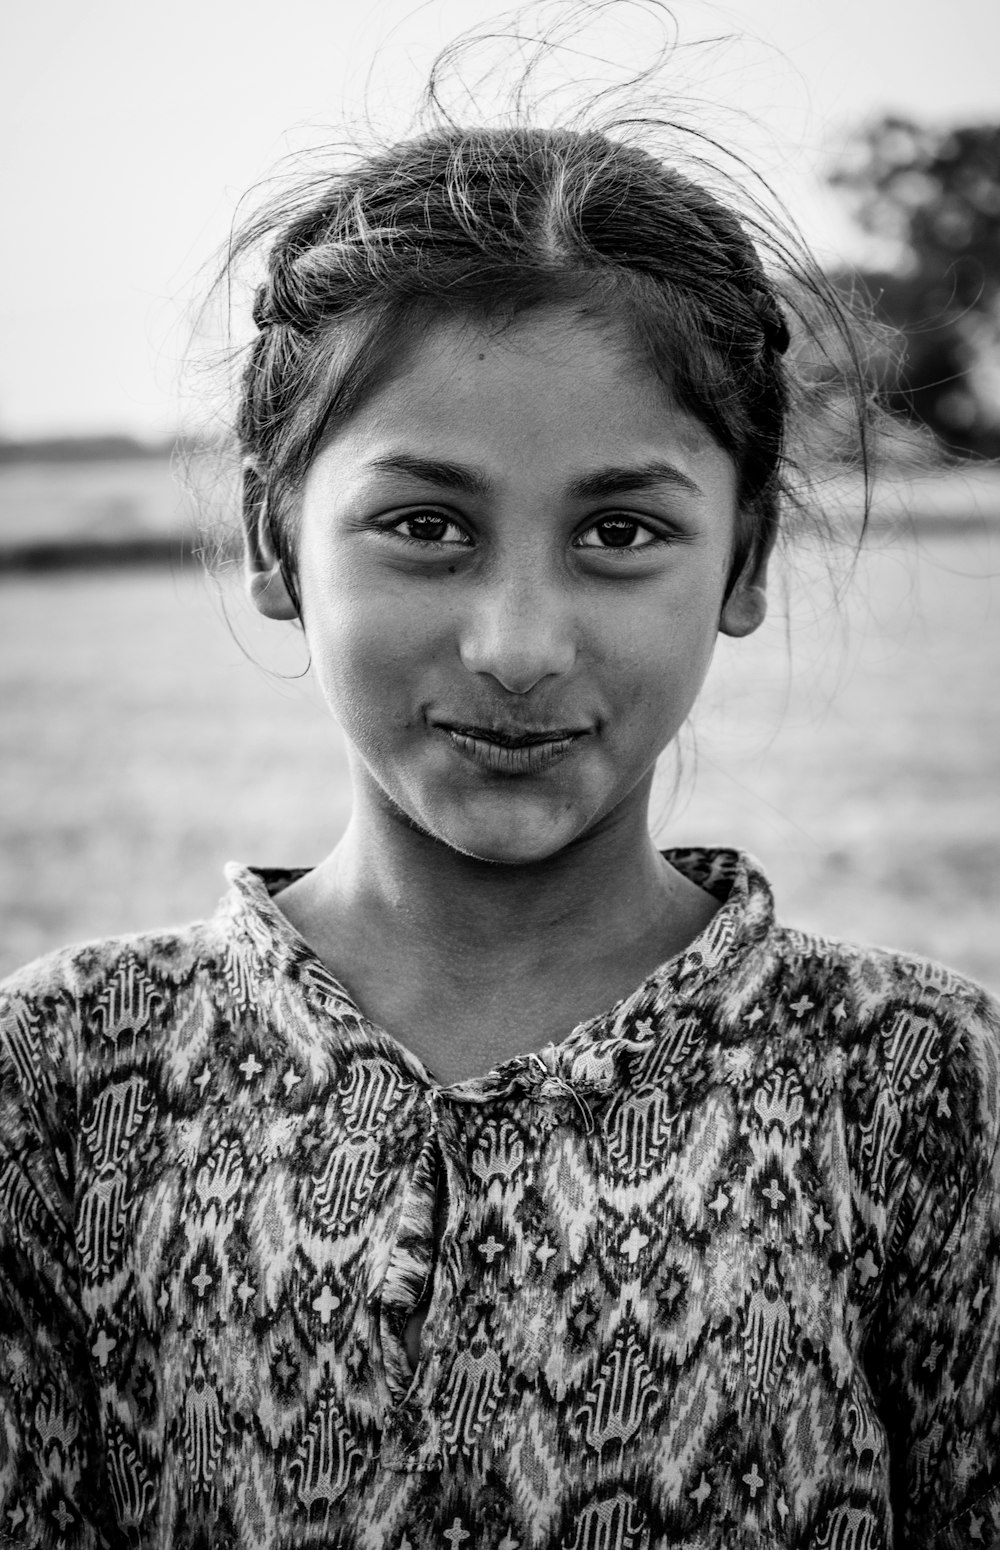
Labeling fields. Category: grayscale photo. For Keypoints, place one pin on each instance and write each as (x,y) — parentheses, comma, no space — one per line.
(499,644)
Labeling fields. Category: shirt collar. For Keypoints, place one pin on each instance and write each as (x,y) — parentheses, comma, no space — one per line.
(720,969)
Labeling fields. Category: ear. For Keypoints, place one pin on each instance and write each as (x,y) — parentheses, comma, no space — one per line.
(746,606)
(265,581)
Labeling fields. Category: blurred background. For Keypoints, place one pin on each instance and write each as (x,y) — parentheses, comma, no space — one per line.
(152,727)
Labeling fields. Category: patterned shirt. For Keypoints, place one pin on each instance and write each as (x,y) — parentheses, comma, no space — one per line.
(720,1269)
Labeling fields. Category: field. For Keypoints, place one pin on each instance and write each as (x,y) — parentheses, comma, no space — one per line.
(101,502)
(853,745)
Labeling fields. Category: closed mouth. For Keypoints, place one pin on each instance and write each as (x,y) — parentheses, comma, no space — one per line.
(506,738)
(506,751)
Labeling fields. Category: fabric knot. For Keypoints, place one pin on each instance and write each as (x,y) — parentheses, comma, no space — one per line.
(556,1089)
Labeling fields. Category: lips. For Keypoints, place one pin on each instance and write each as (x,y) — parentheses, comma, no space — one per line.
(507,750)
(514,737)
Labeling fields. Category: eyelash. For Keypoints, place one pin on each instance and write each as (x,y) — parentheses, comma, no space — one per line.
(396,526)
(653,538)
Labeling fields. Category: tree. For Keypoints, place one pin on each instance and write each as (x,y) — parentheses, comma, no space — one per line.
(933,197)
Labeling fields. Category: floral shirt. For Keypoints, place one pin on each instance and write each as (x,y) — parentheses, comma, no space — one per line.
(722,1268)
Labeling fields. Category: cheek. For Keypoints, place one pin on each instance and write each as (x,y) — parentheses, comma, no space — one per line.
(358,663)
(368,654)
(663,650)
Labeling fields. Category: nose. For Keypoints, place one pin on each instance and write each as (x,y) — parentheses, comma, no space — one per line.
(518,631)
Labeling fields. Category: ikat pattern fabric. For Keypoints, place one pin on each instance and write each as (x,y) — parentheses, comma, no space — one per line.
(718,1270)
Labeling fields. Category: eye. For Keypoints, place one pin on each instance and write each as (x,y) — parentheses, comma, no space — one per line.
(617,533)
(428,527)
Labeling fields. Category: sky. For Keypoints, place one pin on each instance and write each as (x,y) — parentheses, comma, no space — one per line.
(131,131)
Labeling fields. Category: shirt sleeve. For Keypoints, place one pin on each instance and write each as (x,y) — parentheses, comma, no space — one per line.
(52,1491)
(935,1350)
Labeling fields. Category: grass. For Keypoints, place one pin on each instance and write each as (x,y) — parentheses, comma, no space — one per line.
(140,749)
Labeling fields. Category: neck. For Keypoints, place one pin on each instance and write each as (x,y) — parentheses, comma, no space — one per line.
(448,902)
(471,962)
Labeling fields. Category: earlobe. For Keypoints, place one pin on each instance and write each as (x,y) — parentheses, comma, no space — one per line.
(746,606)
(269,594)
(265,578)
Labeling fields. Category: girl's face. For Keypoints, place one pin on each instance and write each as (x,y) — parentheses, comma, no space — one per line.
(511,563)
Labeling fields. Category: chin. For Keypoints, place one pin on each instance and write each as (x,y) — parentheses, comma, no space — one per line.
(510,839)
(510,855)
(514,843)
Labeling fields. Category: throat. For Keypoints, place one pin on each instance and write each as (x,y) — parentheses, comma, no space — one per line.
(464,1044)
(467,1001)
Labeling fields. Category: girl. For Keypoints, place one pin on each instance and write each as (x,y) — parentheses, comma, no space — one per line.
(503,1182)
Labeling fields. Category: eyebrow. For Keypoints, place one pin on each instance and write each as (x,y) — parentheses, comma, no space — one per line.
(641,476)
(432,470)
(602,482)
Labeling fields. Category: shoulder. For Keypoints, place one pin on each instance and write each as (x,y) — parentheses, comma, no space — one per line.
(920,1051)
(76,1001)
(915,1009)
(878,979)
(72,976)
(916,1017)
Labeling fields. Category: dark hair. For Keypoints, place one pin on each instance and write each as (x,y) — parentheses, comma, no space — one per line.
(489,223)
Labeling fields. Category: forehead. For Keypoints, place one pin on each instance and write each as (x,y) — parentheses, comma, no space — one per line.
(556,388)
